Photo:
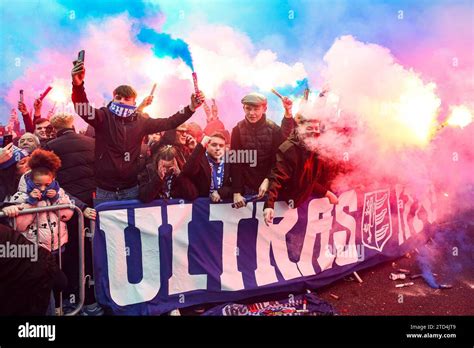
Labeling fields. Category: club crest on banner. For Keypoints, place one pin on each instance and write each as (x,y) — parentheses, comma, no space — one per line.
(376,226)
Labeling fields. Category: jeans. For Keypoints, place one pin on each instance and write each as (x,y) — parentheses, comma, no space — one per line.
(104,195)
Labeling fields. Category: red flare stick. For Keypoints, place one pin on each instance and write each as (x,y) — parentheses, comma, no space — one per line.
(306,94)
(45,93)
(153,89)
(195,81)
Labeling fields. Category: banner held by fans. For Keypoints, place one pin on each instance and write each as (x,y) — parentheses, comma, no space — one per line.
(152,258)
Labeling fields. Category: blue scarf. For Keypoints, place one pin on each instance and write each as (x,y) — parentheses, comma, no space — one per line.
(122,110)
(217,174)
(167,183)
(30,186)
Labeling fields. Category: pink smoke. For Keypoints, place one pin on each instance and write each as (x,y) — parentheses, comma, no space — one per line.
(373,126)
(447,58)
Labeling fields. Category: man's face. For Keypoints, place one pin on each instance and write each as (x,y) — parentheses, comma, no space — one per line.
(124,100)
(181,134)
(22,165)
(311,129)
(155,137)
(216,148)
(254,113)
(51,132)
(309,132)
(27,142)
(41,130)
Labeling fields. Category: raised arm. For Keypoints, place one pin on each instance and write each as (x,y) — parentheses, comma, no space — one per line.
(29,126)
(287,126)
(191,167)
(38,104)
(153,125)
(287,123)
(91,115)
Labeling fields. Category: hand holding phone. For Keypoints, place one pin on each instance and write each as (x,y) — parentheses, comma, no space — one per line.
(6,153)
(7,139)
(78,72)
(81,56)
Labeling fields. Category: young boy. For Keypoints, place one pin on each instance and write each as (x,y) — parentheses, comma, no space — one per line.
(119,130)
(207,170)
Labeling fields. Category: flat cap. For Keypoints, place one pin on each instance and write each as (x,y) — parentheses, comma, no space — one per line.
(254,99)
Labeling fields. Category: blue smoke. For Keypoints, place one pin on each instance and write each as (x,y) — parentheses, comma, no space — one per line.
(426,258)
(450,250)
(165,46)
(297,90)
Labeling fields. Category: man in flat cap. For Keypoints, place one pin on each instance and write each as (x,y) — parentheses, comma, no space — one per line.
(261,136)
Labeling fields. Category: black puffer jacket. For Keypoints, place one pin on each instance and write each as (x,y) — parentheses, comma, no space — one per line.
(264,137)
(118,140)
(76,175)
(9,179)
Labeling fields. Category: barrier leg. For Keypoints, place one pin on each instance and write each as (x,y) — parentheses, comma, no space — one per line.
(60,261)
(81,262)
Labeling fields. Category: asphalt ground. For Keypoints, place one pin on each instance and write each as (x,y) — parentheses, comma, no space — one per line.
(451,259)
(378,296)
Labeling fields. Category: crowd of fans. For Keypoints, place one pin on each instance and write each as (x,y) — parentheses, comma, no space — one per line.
(126,154)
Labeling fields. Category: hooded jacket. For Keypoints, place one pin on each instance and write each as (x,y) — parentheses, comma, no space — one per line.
(118,139)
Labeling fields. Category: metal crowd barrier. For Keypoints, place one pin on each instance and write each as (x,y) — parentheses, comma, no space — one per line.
(57,208)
